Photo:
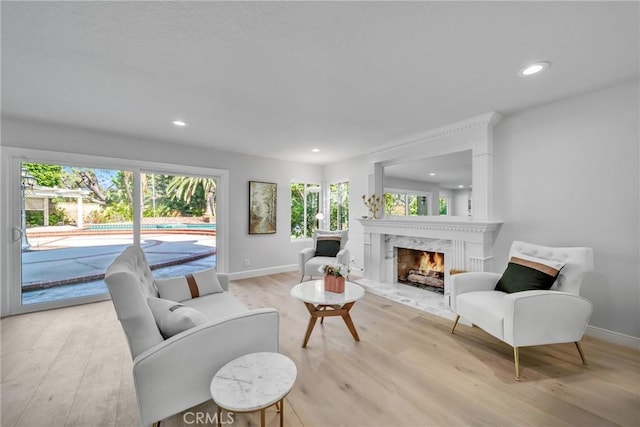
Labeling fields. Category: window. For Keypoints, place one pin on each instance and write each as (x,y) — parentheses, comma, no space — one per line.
(444,206)
(339,206)
(305,205)
(405,204)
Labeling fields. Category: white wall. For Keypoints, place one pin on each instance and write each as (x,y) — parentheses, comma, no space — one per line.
(461,202)
(264,251)
(356,171)
(566,174)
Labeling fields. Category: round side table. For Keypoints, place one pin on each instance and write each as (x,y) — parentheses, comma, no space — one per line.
(253,383)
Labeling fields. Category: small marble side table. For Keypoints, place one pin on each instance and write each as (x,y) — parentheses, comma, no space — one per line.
(254,382)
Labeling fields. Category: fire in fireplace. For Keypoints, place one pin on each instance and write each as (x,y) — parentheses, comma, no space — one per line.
(423,269)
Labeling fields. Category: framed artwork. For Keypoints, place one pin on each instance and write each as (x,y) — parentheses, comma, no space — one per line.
(262,207)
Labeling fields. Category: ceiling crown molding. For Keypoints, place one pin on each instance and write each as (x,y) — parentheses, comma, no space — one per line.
(487,120)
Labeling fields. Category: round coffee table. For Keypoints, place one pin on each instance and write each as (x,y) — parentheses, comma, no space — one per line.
(253,382)
(321,303)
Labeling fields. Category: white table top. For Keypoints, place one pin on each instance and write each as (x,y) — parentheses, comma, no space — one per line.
(313,292)
(253,382)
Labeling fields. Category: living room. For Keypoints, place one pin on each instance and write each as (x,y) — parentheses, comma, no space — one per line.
(564,172)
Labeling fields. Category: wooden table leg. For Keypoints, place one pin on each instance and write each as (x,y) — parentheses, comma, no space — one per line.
(347,319)
(322,312)
(262,423)
(219,416)
(312,322)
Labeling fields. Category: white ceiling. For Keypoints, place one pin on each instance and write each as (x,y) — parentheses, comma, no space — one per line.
(277,79)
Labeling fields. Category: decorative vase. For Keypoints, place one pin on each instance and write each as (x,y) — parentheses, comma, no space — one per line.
(334,284)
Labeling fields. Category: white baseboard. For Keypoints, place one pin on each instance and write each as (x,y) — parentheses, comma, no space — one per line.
(262,272)
(613,337)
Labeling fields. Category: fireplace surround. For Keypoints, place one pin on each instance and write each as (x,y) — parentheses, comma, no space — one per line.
(466,244)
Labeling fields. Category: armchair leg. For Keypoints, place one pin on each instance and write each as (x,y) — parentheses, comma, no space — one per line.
(516,359)
(301,278)
(579,347)
(455,323)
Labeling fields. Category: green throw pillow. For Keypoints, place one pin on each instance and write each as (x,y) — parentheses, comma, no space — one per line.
(327,245)
(528,273)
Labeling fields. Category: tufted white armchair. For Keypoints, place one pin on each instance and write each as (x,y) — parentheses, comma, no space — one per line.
(533,317)
(309,263)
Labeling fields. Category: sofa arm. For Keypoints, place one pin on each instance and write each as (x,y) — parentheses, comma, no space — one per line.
(176,374)
(305,255)
(471,282)
(224,281)
(545,317)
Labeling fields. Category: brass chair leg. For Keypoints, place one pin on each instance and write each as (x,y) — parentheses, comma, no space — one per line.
(455,323)
(516,358)
(579,347)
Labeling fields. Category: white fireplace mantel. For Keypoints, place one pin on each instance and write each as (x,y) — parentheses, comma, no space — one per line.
(450,228)
(466,243)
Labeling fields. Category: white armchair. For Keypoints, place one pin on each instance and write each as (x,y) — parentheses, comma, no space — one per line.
(531,317)
(311,259)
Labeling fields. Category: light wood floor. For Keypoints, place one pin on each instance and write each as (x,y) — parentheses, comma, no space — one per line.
(71,367)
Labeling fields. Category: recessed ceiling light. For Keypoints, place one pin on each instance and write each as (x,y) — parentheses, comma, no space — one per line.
(179,123)
(460,186)
(432,174)
(534,68)
(315,150)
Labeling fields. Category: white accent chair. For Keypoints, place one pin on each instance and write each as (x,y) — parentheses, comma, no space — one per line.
(528,318)
(309,263)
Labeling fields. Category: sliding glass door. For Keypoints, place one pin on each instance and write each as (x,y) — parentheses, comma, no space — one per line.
(69,216)
(178,225)
(74,221)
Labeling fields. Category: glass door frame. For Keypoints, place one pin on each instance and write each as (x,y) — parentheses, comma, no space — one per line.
(11,214)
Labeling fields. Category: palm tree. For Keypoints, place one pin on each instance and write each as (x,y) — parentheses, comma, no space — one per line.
(185,187)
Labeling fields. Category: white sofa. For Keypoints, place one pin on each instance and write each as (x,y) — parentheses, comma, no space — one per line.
(174,374)
(531,317)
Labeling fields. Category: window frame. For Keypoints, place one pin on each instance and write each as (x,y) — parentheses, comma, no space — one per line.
(306,228)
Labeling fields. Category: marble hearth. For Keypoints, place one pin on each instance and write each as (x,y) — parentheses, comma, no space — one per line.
(467,244)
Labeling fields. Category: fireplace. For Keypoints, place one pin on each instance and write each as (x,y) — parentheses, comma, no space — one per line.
(422,269)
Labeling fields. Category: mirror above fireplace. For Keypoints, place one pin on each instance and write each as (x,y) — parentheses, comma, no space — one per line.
(425,181)
(466,147)
(448,171)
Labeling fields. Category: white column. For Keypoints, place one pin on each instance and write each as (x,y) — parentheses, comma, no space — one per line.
(46,211)
(80,220)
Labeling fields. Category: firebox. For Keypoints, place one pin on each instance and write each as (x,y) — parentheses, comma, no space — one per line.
(422,269)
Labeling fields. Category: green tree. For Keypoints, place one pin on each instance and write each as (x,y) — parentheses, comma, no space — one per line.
(198,193)
(45,175)
(297,209)
(443,205)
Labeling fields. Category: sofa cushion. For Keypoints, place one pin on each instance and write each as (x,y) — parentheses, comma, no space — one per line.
(194,285)
(526,273)
(343,234)
(173,317)
(485,309)
(215,306)
(327,245)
